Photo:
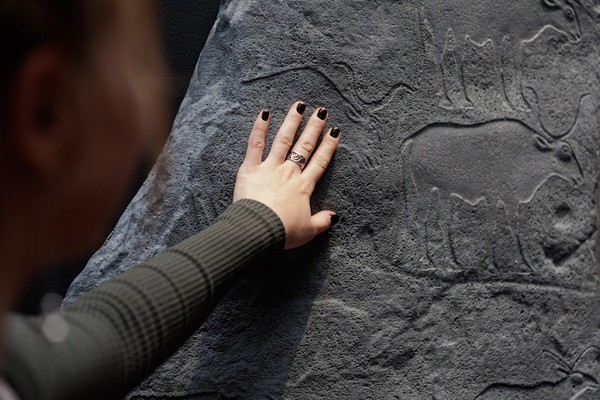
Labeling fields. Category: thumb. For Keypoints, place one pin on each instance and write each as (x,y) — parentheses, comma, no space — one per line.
(322,220)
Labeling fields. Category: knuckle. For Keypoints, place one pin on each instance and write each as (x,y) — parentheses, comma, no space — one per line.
(306,187)
(256,144)
(245,168)
(315,230)
(307,146)
(316,124)
(285,140)
(289,170)
(327,149)
(329,145)
(320,162)
(260,130)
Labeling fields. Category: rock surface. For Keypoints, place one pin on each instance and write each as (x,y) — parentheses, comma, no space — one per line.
(465,265)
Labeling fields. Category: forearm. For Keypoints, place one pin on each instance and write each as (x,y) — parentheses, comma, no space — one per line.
(121,331)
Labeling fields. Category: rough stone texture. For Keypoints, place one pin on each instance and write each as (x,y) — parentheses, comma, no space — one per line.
(465,265)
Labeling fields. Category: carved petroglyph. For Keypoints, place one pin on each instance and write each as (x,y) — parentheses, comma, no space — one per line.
(506,249)
(503,162)
(576,381)
(438,248)
(454,28)
(566,221)
(470,238)
(342,78)
(359,109)
(402,243)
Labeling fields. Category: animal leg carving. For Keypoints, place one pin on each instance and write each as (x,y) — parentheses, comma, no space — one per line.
(454,93)
(437,243)
(506,252)
(520,102)
(510,61)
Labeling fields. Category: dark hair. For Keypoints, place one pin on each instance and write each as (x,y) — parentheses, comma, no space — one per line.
(71,25)
(27,24)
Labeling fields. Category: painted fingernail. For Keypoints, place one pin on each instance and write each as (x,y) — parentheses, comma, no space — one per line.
(335,132)
(265,115)
(322,114)
(301,107)
(335,219)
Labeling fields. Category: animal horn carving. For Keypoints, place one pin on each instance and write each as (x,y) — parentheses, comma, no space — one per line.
(589,362)
(570,129)
(586,8)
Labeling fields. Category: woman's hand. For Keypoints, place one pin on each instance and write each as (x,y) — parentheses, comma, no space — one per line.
(281,183)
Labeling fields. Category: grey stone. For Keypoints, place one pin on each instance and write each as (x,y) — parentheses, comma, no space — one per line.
(465,265)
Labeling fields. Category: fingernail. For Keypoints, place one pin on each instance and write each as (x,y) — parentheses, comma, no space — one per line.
(322,114)
(265,115)
(301,107)
(335,219)
(335,132)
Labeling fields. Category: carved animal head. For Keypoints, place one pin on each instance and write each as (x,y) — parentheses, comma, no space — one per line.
(574,381)
(588,362)
(566,18)
(566,162)
(577,383)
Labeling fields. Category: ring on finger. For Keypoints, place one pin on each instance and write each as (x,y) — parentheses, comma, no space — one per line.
(297,158)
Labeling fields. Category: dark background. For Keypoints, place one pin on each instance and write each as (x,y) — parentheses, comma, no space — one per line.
(185,25)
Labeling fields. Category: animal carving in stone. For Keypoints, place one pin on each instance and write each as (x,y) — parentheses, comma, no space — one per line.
(573,384)
(503,161)
(505,25)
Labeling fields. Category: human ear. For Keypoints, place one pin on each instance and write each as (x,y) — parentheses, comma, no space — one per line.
(40,120)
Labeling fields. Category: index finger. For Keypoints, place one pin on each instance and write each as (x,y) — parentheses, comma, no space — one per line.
(256,141)
(318,163)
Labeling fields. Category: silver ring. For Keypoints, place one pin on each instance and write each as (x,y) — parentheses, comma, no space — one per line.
(297,158)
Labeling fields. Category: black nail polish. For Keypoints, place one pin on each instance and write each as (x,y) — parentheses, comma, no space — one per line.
(265,115)
(301,107)
(322,114)
(335,219)
(335,132)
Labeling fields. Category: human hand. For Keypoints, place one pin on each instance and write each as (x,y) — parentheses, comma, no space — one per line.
(282,184)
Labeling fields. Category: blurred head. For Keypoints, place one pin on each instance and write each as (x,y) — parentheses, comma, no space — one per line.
(81,101)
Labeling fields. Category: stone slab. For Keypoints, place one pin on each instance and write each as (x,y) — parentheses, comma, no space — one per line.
(465,265)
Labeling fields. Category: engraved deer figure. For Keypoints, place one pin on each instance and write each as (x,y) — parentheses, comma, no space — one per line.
(572,385)
(505,25)
(503,161)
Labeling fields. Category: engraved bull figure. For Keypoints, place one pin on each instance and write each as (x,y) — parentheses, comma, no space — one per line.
(503,161)
(506,24)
